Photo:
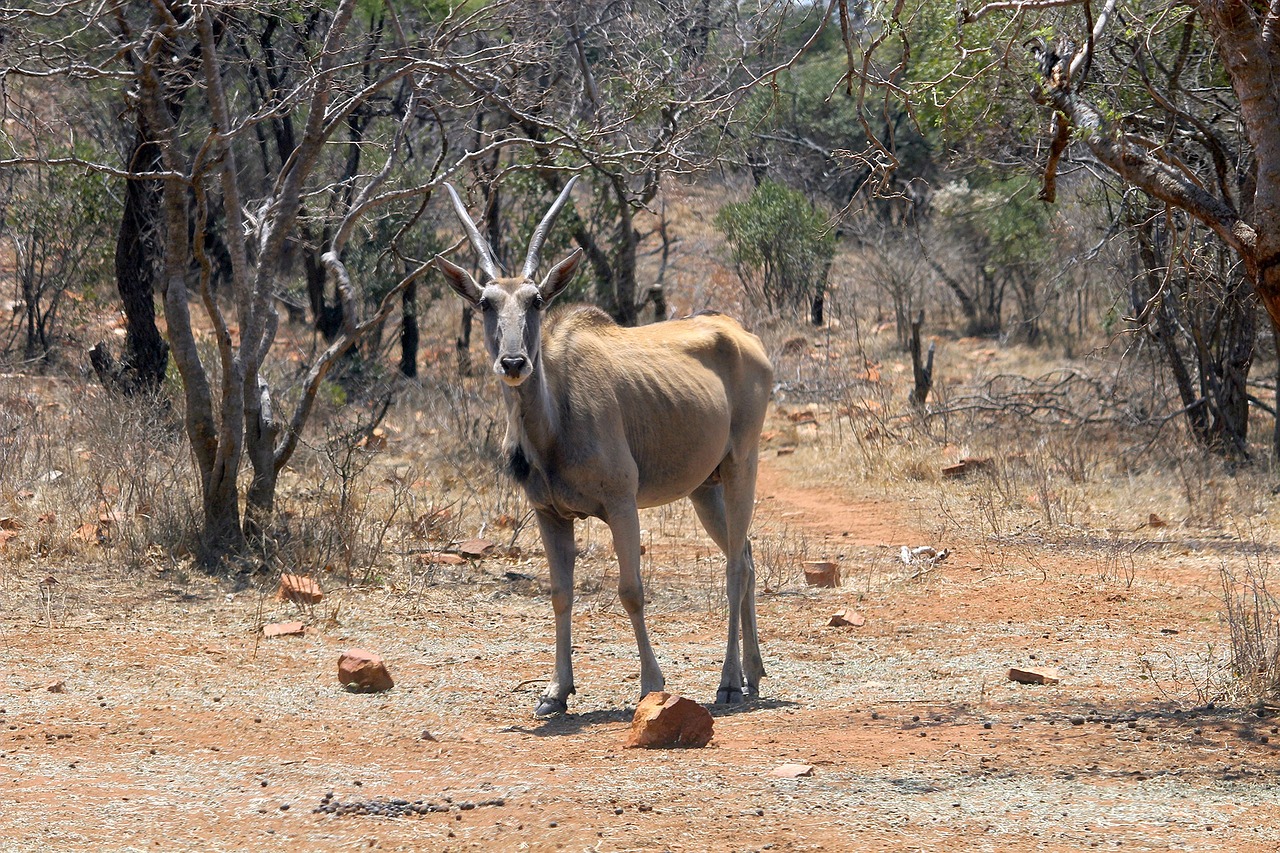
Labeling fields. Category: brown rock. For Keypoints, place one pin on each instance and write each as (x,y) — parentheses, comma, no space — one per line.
(966,466)
(1033,676)
(847,619)
(363,672)
(823,573)
(299,589)
(283,629)
(669,720)
(90,533)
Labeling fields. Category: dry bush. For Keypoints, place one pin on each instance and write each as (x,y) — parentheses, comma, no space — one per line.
(95,478)
(1251,611)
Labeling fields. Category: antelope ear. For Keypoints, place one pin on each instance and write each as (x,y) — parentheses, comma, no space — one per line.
(459,279)
(561,274)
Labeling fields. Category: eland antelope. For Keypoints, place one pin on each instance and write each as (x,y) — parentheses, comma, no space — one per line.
(603,420)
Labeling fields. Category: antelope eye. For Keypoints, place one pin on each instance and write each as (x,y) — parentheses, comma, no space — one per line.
(539,302)
(484,304)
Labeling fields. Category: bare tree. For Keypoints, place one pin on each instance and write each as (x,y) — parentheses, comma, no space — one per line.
(233,413)
(298,123)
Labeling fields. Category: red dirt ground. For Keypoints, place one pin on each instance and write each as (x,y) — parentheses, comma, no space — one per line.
(180,727)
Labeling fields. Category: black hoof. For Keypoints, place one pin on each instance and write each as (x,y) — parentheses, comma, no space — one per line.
(549,706)
(729,696)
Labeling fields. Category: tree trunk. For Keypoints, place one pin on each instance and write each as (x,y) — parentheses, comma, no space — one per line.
(921,369)
(409,331)
(1231,392)
(326,313)
(146,355)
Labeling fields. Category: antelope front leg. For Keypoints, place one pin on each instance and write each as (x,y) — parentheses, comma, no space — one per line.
(557,541)
(624,523)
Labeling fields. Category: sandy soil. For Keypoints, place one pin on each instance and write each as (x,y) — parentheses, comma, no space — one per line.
(178,727)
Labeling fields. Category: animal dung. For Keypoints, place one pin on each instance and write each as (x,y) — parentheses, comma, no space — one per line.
(362,671)
(1034,676)
(669,720)
(822,573)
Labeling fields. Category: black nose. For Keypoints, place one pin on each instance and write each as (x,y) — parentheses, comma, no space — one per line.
(513,364)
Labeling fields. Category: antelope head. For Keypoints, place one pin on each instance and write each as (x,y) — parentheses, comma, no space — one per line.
(511,306)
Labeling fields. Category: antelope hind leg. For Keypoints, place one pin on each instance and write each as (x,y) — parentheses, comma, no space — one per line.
(709,502)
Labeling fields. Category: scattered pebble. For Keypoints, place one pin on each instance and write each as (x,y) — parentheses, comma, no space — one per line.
(396,807)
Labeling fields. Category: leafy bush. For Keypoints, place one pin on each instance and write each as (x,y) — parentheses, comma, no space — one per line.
(782,248)
(59,222)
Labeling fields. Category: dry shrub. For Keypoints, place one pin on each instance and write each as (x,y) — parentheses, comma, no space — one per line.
(1252,614)
(94,477)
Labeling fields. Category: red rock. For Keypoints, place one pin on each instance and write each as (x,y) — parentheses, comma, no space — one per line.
(847,619)
(1033,676)
(363,671)
(823,573)
(283,629)
(299,589)
(668,720)
(476,548)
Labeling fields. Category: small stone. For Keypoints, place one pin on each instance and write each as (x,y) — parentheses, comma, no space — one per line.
(847,619)
(822,573)
(299,589)
(965,466)
(792,771)
(283,629)
(475,549)
(58,686)
(1033,676)
(363,671)
(668,720)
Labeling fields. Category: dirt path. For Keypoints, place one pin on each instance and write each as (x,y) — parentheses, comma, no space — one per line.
(178,728)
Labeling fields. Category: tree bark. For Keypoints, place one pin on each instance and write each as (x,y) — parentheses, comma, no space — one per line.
(409,334)
(921,369)
(146,356)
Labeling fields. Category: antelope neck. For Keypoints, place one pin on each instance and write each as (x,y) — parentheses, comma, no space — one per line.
(531,417)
